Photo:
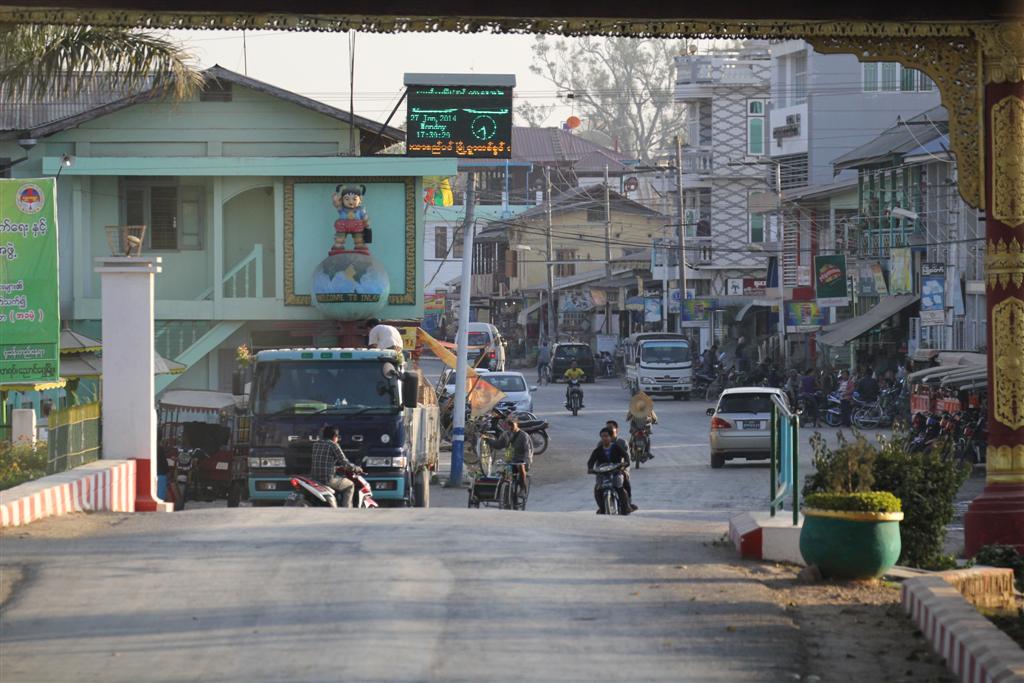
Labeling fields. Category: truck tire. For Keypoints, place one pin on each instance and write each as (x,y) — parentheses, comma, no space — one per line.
(421,488)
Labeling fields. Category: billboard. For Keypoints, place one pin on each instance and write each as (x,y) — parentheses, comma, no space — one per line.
(465,121)
(29,299)
(900,281)
(830,284)
(933,294)
(803,316)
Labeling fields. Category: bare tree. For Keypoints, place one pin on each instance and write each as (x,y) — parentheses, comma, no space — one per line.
(621,87)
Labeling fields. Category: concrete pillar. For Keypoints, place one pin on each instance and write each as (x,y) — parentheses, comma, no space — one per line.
(23,426)
(129,420)
(997,515)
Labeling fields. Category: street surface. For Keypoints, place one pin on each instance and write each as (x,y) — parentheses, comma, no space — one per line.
(556,593)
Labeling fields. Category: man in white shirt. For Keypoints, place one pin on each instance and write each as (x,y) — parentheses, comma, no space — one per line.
(384,336)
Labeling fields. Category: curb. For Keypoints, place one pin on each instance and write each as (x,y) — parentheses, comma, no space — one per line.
(943,607)
(760,536)
(99,485)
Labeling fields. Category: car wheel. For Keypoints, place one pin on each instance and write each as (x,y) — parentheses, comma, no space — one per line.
(717,460)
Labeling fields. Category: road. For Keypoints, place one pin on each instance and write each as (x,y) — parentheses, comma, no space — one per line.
(556,593)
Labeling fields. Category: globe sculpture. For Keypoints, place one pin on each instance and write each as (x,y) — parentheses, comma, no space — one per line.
(350,286)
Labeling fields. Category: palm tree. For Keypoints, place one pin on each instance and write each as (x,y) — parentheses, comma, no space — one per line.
(40,61)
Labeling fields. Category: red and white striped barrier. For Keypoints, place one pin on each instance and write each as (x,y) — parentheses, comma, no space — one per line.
(974,649)
(101,485)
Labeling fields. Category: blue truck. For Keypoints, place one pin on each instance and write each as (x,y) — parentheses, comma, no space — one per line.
(387,418)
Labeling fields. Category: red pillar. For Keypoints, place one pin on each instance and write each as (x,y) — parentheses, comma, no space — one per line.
(997,515)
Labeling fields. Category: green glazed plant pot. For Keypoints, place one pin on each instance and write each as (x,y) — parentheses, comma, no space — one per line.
(850,545)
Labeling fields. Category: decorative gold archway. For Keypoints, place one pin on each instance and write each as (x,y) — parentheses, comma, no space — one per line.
(978,66)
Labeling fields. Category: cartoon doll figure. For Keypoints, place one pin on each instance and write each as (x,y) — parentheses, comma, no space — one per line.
(352,220)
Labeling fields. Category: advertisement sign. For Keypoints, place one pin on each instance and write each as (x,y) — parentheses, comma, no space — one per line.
(458,120)
(879,278)
(871,279)
(433,311)
(698,310)
(575,301)
(753,287)
(652,308)
(830,280)
(29,305)
(933,294)
(734,286)
(900,281)
(803,316)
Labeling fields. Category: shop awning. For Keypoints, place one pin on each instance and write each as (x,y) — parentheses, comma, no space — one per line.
(846,331)
(968,375)
(951,362)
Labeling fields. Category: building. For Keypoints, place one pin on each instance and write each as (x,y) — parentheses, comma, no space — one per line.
(235,190)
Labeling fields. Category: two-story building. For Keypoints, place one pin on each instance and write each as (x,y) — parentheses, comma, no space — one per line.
(235,188)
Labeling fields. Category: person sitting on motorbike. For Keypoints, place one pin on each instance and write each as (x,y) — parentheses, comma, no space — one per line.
(868,386)
(642,422)
(326,458)
(708,360)
(573,373)
(610,452)
(809,394)
(613,427)
(522,450)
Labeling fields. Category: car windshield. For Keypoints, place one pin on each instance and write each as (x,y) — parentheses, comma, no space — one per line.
(478,339)
(745,403)
(666,351)
(574,352)
(506,382)
(311,386)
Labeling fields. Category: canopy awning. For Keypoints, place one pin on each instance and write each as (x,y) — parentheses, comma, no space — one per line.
(846,331)
(746,309)
(952,362)
(34,386)
(965,376)
(199,400)
(73,342)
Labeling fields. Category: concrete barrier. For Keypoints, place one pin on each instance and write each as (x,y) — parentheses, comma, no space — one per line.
(759,536)
(100,485)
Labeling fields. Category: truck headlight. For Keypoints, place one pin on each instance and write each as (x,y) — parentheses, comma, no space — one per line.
(384,461)
(646,380)
(385,438)
(277,463)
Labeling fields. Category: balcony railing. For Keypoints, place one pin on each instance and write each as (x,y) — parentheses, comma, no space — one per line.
(697,160)
(489,284)
(244,280)
(699,250)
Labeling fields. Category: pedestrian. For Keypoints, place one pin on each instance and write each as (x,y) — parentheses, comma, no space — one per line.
(741,354)
(543,360)
(847,398)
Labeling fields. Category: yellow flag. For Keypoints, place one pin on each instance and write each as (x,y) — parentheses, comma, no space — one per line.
(439,350)
(482,396)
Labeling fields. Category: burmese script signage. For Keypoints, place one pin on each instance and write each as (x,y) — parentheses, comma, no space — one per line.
(449,118)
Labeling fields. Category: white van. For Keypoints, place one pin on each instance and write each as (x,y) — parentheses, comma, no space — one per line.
(658,363)
(488,337)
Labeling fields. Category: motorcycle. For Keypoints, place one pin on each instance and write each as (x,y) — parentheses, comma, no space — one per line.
(609,483)
(184,475)
(639,444)
(973,440)
(834,410)
(879,413)
(307,493)
(928,436)
(528,422)
(574,401)
(811,405)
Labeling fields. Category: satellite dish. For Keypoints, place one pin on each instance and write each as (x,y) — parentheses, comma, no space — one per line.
(632,184)
(573,122)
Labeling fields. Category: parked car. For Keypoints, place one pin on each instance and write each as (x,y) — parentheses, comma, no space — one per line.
(565,353)
(741,424)
(487,336)
(515,387)
(448,380)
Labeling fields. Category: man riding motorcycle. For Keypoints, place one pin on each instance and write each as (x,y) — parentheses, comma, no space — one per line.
(642,423)
(609,452)
(574,373)
(326,458)
(613,427)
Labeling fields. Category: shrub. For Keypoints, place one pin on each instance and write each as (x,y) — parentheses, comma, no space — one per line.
(925,483)
(20,463)
(873,501)
(1003,556)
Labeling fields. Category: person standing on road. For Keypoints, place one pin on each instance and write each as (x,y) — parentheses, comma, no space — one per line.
(741,354)
(543,360)
(327,457)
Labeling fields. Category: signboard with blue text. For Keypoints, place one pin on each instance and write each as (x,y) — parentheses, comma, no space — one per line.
(933,294)
(29,303)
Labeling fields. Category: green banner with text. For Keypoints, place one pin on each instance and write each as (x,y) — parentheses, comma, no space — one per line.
(29,294)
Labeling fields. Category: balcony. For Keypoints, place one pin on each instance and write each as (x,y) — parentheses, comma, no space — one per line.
(698,161)
(489,285)
(699,251)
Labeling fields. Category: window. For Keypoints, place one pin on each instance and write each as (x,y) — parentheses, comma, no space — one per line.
(173,214)
(798,64)
(890,76)
(924,83)
(440,241)
(756,228)
(595,214)
(457,244)
(870,77)
(565,269)
(908,80)
(755,128)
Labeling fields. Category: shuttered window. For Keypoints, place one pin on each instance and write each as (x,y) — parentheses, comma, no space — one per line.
(174,215)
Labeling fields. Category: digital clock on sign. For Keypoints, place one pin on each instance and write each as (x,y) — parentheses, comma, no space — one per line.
(459,121)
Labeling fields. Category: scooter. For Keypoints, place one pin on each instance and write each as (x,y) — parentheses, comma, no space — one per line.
(609,482)
(834,411)
(184,475)
(575,400)
(309,493)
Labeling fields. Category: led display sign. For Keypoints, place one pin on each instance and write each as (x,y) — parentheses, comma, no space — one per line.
(449,119)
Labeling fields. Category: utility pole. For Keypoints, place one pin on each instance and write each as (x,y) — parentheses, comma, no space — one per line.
(552,321)
(782,248)
(664,282)
(607,250)
(680,230)
(462,339)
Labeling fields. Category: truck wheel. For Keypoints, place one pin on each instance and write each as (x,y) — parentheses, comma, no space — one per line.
(421,488)
(235,493)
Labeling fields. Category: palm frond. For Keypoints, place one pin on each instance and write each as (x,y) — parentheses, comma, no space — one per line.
(36,61)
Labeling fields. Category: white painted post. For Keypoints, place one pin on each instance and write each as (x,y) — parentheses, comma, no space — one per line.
(129,418)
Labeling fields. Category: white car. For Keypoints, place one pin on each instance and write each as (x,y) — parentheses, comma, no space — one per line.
(741,424)
(512,383)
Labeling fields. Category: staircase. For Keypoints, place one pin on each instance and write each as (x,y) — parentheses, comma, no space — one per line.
(244,280)
(194,352)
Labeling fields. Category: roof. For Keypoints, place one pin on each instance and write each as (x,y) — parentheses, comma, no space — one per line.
(317,354)
(597,161)
(73,342)
(554,145)
(897,141)
(820,191)
(92,105)
(589,195)
(847,330)
(199,399)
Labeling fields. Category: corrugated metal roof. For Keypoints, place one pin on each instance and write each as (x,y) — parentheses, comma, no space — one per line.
(93,91)
(590,195)
(897,140)
(554,145)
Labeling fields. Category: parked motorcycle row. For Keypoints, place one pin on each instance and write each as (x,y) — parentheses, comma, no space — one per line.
(962,435)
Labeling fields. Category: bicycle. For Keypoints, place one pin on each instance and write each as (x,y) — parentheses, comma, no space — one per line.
(545,375)
(512,493)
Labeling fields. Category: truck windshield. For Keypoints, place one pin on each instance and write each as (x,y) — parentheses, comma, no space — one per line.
(665,352)
(322,386)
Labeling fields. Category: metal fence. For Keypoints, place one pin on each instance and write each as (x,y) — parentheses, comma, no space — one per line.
(74,437)
(785,458)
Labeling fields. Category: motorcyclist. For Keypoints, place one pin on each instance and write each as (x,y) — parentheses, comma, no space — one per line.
(522,450)
(573,373)
(610,452)
(809,394)
(327,457)
(613,427)
(708,360)
(642,422)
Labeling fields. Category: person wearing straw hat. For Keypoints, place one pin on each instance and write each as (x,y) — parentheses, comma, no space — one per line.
(641,416)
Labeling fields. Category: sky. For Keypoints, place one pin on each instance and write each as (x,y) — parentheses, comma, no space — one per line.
(316,64)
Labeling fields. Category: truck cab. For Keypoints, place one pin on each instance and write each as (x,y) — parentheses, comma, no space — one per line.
(385,426)
(659,363)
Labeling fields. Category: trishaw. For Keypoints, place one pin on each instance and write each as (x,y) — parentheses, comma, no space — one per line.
(196,435)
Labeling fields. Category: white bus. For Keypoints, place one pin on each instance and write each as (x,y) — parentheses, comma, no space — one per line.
(658,363)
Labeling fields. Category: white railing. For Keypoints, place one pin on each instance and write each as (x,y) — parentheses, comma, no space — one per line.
(244,280)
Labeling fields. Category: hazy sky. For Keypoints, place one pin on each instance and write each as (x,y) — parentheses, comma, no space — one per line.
(316,64)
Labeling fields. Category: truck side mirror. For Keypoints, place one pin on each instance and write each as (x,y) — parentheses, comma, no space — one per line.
(410,389)
(237,383)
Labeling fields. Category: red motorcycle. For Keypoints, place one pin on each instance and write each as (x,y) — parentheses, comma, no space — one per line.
(309,493)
